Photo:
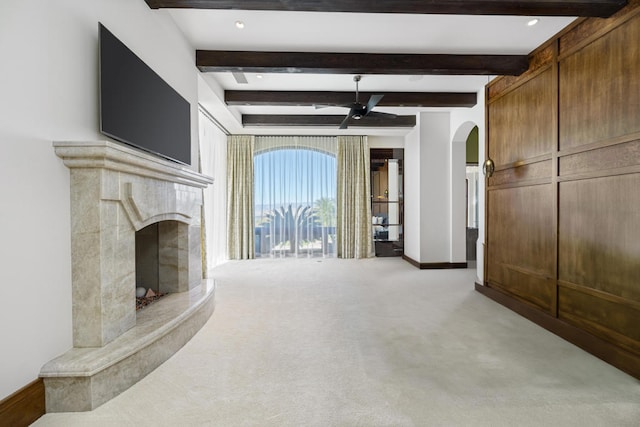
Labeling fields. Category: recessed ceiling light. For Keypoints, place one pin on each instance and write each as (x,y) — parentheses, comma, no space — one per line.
(239,25)
(258,76)
(533,22)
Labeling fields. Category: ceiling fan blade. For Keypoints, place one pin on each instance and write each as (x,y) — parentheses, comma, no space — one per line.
(345,122)
(319,106)
(373,101)
(381,115)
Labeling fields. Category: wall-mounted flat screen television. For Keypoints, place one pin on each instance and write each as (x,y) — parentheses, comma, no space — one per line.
(138,107)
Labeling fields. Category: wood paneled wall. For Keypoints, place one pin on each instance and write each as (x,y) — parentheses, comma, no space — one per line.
(563,206)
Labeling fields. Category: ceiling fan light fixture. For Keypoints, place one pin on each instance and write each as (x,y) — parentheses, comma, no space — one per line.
(358,111)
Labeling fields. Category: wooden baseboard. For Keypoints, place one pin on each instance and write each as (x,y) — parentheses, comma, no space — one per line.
(616,356)
(434,265)
(23,407)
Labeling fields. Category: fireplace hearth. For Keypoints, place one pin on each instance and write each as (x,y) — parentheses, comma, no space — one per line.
(116,191)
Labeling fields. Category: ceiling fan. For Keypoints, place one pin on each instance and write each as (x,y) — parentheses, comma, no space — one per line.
(357,110)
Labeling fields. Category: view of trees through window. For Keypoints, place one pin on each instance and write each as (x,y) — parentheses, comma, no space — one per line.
(295,203)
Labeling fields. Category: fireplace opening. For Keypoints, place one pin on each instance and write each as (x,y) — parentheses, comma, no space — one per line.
(147,266)
(161,251)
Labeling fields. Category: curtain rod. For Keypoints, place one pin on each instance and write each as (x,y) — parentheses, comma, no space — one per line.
(219,125)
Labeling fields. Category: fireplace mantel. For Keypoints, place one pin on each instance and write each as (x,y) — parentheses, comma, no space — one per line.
(117,190)
(121,158)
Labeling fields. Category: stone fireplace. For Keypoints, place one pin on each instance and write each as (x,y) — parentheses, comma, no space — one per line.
(116,191)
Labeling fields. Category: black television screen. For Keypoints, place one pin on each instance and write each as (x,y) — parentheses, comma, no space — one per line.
(137,107)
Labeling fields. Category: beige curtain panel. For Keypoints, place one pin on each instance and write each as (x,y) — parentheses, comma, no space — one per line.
(354,205)
(240,222)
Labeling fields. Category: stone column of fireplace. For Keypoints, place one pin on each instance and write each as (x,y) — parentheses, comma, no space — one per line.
(115,191)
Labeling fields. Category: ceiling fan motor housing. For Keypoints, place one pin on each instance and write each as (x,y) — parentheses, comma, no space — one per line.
(357,110)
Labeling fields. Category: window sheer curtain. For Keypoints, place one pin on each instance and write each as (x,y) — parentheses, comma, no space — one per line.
(213,162)
(295,196)
(354,237)
(240,222)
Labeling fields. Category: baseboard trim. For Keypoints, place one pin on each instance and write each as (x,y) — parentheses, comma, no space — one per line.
(434,265)
(613,355)
(23,407)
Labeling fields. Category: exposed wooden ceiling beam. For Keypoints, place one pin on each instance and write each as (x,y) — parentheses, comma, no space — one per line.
(599,8)
(359,63)
(255,120)
(391,99)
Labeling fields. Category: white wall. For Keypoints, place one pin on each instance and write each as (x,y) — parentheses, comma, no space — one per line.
(435,215)
(435,186)
(457,233)
(427,189)
(49,91)
(412,185)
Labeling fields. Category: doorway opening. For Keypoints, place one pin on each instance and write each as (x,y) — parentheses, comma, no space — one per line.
(387,201)
(472,189)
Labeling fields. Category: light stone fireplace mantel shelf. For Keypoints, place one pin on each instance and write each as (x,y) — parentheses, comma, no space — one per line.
(116,191)
(118,157)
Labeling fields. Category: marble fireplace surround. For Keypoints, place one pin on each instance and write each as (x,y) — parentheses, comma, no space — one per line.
(116,191)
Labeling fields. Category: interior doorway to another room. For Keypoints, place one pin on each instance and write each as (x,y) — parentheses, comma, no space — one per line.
(387,204)
(472,193)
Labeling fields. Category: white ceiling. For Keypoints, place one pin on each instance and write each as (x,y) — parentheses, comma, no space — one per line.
(355,33)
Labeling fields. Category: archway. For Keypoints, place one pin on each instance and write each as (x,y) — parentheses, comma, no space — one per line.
(465,192)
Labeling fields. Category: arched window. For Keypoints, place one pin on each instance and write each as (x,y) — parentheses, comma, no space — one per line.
(295,196)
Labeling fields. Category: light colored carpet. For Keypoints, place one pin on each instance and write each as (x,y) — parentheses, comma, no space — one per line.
(367,343)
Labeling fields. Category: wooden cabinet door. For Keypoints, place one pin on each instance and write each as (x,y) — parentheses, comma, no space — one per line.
(520,257)
(563,205)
